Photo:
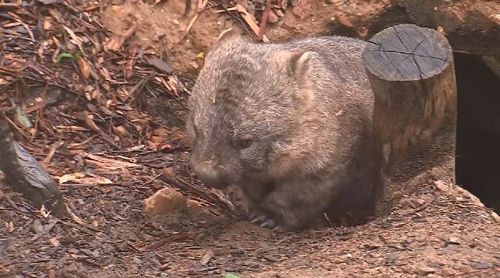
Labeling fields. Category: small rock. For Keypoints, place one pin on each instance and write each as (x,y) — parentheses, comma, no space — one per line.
(441,185)
(424,270)
(342,19)
(420,201)
(55,242)
(459,199)
(480,265)
(279,13)
(195,208)
(453,240)
(448,272)
(373,245)
(495,216)
(164,202)
(495,18)
(38,226)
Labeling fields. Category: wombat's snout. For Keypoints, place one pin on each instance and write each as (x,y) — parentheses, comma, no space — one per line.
(209,173)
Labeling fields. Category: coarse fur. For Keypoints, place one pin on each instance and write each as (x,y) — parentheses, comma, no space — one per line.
(290,123)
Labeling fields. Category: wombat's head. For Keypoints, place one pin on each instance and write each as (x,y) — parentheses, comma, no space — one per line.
(246,112)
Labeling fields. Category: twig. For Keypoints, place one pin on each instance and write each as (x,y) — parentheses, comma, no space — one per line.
(9,6)
(169,239)
(263,22)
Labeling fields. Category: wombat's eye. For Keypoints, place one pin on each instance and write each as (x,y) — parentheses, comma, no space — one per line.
(244,143)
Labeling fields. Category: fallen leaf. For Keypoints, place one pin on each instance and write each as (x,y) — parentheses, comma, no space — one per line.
(88,119)
(121,130)
(9,226)
(108,163)
(44,212)
(55,242)
(82,178)
(84,67)
(207,257)
(22,118)
(75,217)
(200,55)
(159,64)
(117,40)
(343,20)
(71,177)
(48,2)
(74,38)
(47,25)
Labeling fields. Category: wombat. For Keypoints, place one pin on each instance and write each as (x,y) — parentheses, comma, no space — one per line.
(290,123)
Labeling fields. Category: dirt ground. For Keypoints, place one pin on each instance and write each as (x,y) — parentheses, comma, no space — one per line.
(437,229)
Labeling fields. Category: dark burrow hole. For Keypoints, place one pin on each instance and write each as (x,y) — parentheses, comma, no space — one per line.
(478,129)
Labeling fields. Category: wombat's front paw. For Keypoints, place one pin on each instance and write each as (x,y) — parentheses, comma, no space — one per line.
(264,221)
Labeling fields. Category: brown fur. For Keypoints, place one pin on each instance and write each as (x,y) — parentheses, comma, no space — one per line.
(289,123)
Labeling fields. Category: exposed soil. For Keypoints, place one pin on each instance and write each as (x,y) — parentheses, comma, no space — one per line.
(437,229)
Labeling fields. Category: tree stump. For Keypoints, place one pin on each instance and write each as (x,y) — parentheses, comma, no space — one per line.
(411,72)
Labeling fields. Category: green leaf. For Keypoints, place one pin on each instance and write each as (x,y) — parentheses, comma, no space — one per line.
(78,55)
(231,275)
(64,55)
(23,119)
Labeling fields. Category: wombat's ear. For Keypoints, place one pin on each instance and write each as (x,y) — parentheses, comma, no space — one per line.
(298,63)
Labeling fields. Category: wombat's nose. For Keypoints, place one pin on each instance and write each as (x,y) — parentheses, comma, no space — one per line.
(207,173)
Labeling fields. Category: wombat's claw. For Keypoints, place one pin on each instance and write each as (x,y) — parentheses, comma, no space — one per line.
(268,223)
(278,228)
(257,219)
(265,222)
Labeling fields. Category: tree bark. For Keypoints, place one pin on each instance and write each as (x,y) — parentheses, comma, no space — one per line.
(411,72)
(25,175)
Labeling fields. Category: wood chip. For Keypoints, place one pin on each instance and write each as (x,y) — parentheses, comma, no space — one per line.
(250,20)
(117,40)
(159,64)
(207,257)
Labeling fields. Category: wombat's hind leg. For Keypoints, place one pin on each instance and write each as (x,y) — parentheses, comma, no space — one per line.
(297,204)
